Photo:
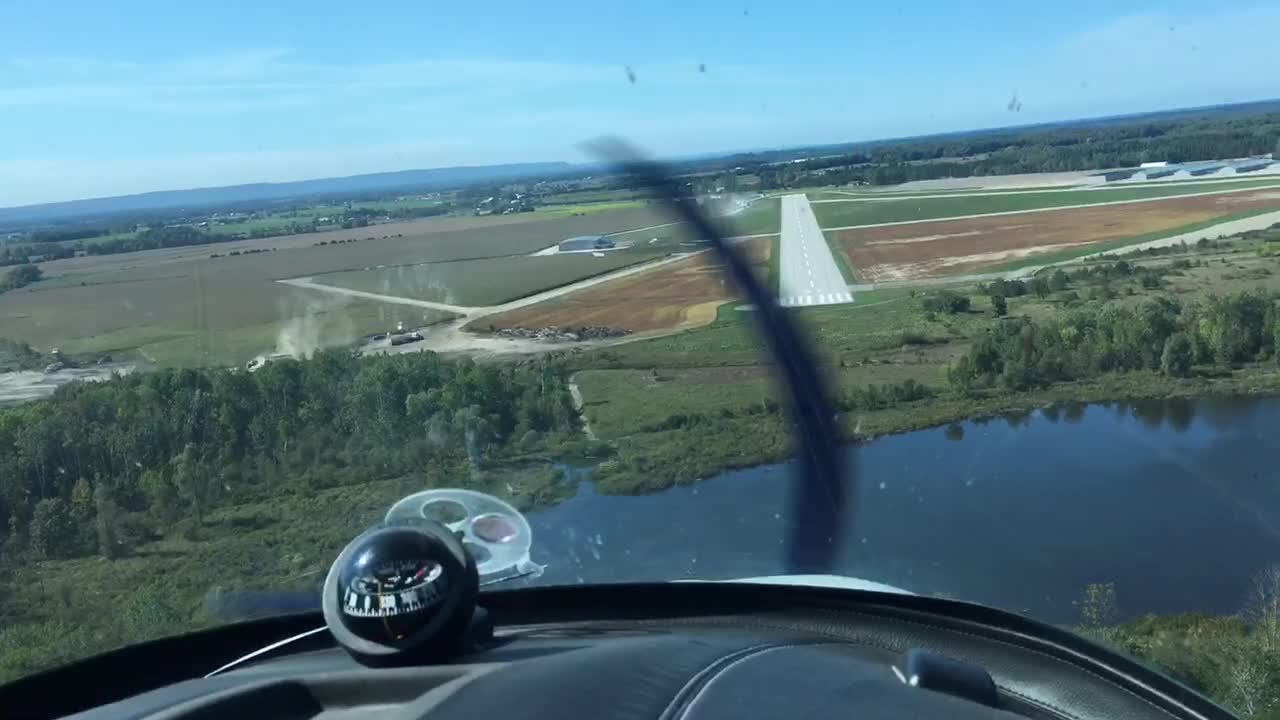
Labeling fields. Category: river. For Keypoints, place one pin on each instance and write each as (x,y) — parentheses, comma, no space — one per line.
(1176,502)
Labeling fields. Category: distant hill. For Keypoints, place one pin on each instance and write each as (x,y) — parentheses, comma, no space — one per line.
(256,194)
(721,161)
(403,180)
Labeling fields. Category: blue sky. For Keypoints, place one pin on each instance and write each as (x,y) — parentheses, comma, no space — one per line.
(107,98)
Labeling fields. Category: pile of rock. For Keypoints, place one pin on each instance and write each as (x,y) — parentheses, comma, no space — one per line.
(570,334)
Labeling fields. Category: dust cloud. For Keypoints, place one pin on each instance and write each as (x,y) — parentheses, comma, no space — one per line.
(321,324)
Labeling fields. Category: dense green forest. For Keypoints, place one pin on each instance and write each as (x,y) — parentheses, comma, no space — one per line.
(127,506)
(1158,334)
(101,466)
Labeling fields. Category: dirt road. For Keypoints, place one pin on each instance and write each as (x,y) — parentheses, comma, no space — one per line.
(451,338)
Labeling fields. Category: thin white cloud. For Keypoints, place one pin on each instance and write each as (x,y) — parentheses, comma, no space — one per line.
(245,78)
(262,75)
(167,99)
(240,64)
(65,65)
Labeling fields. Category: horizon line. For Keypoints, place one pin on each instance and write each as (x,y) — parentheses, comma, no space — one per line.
(675,158)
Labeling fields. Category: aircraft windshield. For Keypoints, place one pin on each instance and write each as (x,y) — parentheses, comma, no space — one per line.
(270,273)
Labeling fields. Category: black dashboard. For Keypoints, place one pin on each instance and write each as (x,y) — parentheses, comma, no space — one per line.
(699,651)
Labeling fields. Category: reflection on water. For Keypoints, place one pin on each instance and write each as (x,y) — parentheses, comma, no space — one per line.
(1177,413)
(1177,502)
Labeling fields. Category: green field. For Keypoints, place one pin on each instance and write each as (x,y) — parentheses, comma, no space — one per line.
(830,194)
(108,238)
(588,208)
(282,219)
(875,321)
(218,319)
(856,193)
(398,203)
(760,218)
(273,225)
(484,282)
(870,212)
(581,197)
(671,234)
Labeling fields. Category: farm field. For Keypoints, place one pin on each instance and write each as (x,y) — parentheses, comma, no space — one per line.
(672,233)
(760,218)
(854,194)
(622,402)
(430,240)
(579,197)
(182,307)
(544,211)
(683,294)
(876,321)
(205,319)
(484,282)
(903,252)
(869,212)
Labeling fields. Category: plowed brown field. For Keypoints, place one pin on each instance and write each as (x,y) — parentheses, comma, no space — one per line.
(949,247)
(682,294)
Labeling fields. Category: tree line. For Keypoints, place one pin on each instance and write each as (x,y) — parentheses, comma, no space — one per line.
(11,255)
(149,239)
(56,244)
(1159,334)
(1061,149)
(155,238)
(100,467)
(60,235)
(361,216)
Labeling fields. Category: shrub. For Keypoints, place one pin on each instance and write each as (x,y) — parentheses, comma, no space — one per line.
(946,302)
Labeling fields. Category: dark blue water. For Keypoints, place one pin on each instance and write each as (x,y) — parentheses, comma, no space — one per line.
(1176,502)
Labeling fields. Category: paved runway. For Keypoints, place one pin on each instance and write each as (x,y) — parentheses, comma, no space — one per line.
(807,273)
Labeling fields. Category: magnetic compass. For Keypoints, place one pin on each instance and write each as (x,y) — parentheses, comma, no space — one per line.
(400,591)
